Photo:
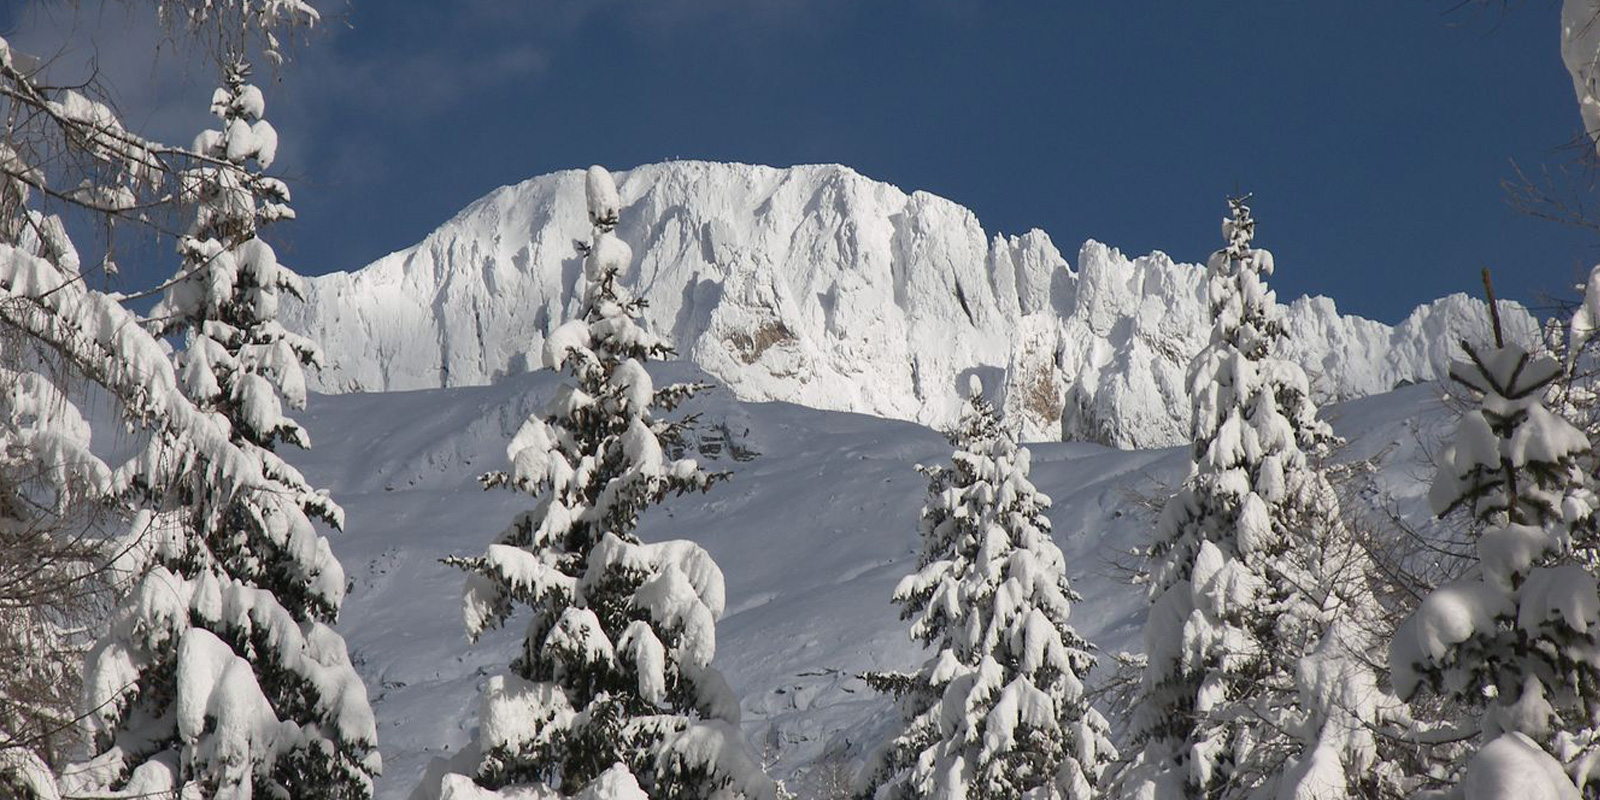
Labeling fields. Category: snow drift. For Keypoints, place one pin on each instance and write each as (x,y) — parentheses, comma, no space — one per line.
(818,286)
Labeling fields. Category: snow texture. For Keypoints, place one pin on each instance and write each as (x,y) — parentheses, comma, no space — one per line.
(1512,767)
(818,286)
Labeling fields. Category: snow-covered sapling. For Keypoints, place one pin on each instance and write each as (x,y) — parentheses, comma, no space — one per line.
(1518,638)
(999,710)
(613,694)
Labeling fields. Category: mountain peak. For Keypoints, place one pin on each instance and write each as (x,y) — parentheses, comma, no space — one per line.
(817,285)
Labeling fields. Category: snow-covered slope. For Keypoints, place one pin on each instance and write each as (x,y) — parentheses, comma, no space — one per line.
(818,286)
(813,530)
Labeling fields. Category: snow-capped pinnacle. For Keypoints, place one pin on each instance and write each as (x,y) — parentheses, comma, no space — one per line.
(816,285)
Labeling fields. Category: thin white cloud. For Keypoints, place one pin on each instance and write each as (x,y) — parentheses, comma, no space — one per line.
(444,54)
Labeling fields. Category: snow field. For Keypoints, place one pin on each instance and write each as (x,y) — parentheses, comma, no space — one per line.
(812,535)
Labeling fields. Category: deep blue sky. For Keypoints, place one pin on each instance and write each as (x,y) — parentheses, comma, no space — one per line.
(1374,133)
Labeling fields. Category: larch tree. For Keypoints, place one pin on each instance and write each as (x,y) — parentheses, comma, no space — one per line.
(999,710)
(1259,640)
(51,481)
(51,486)
(613,695)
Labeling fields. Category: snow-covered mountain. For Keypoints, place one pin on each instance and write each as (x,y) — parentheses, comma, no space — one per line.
(812,531)
(818,286)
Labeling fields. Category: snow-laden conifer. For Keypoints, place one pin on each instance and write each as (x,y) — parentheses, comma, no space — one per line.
(999,710)
(220,672)
(1258,642)
(1517,638)
(613,695)
(62,151)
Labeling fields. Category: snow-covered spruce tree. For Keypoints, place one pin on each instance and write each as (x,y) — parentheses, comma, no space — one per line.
(1519,637)
(61,152)
(1257,681)
(236,358)
(613,695)
(999,710)
(220,671)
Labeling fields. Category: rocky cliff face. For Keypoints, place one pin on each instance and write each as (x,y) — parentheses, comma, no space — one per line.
(818,286)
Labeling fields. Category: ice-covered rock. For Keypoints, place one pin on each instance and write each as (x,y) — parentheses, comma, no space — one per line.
(816,285)
(1580,51)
